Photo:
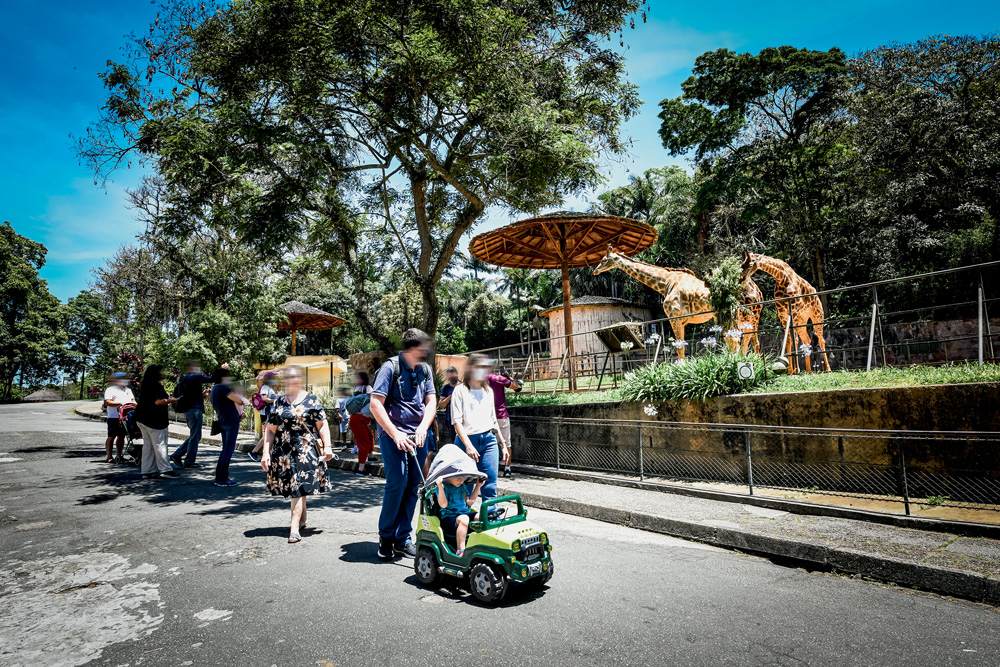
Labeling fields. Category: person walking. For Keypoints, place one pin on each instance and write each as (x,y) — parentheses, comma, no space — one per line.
(191,403)
(115,396)
(224,401)
(499,383)
(473,414)
(360,425)
(296,448)
(403,404)
(151,414)
(343,418)
(266,382)
(451,381)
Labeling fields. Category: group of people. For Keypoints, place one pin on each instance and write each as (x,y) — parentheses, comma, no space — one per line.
(152,404)
(295,443)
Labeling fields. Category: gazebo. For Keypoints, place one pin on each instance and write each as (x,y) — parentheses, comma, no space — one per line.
(300,317)
(564,240)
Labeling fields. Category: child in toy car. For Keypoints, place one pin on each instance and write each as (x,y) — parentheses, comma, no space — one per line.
(456,503)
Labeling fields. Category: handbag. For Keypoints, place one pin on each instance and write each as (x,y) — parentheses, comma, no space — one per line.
(216,427)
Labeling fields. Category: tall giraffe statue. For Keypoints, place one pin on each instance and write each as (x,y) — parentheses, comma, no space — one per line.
(685,296)
(787,283)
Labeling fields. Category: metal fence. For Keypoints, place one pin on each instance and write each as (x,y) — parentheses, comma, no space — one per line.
(870,335)
(924,468)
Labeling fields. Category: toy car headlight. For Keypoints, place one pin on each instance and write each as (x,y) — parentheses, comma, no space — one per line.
(515,545)
(544,538)
(524,573)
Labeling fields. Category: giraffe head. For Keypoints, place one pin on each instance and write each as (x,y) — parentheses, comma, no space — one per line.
(609,262)
(749,266)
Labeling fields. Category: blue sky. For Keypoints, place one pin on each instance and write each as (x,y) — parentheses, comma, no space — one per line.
(52,54)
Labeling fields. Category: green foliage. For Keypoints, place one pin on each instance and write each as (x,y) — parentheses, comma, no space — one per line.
(700,378)
(724,284)
(526,398)
(32,321)
(389,123)
(912,376)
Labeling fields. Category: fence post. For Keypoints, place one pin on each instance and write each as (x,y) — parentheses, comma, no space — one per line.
(902,468)
(871,332)
(746,436)
(979,312)
(641,471)
(558,422)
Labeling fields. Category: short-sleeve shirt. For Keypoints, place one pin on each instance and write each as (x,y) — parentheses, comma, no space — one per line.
(455,495)
(404,402)
(225,408)
(447,391)
(362,389)
(191,390)
(118,395)
(267,392)
(498,383)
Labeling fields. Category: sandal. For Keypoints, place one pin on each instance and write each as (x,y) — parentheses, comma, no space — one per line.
(294,538)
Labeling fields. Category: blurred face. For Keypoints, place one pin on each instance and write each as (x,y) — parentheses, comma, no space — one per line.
(293,383)
(358,380)
(227,379)
(481,370)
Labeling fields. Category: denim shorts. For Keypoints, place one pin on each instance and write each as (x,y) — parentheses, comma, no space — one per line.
(449,524)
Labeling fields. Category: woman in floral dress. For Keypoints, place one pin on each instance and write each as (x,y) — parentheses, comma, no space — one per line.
(296,448)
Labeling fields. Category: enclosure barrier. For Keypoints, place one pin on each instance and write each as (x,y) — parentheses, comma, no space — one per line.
(957,469)
(877,336)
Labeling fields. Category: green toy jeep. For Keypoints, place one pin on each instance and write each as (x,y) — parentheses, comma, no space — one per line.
(498,551)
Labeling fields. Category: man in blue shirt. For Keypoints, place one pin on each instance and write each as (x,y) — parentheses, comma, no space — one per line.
(224,401)
(191,402)
(403,403)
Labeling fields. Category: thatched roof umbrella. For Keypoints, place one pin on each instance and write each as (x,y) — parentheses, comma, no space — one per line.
(301,317)
(563,240)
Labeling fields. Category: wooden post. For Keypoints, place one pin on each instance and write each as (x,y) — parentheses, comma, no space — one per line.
(567,311)
(293,342)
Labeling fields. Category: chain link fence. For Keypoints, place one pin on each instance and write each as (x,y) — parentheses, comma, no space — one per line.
(947,469)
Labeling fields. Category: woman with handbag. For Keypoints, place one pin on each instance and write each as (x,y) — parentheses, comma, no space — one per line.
(296,448)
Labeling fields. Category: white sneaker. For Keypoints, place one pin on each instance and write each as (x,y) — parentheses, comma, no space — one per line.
(354,451)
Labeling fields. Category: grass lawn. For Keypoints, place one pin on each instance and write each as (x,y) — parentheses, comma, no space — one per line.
(913,376)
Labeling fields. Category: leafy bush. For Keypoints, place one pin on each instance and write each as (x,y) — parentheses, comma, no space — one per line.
(725,292)
(699,378)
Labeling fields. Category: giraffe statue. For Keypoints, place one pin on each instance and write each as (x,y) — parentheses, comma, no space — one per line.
(787,283)
(749,315)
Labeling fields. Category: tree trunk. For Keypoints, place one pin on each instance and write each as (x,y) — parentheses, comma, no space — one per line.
(820,279)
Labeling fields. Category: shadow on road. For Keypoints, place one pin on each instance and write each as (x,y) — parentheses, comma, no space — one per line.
(452,588)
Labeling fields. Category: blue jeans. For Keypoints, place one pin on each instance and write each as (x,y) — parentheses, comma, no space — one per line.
(399,498)
(195,420)
(229,433)
(489,459)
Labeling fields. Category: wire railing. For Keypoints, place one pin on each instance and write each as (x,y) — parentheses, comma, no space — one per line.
(914,469)
(931,334)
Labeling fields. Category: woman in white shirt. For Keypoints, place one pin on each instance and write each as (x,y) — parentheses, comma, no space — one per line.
(474,417)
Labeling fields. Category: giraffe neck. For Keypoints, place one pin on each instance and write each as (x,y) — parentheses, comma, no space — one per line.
(650,276)
(780,271)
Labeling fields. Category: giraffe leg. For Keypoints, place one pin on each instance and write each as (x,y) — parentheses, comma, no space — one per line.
(818,329)
(803,336)
(678,327)
(782,308)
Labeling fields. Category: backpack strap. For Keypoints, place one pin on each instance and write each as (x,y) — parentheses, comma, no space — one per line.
(422,368)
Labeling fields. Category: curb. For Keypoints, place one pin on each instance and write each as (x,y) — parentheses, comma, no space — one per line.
(963,528)
(931,578)
(244,442)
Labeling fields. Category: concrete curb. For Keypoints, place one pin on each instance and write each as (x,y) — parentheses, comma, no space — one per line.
(931,578)
(244,442)
(964,528)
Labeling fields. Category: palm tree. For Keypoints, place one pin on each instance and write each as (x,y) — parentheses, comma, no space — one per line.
(515,280)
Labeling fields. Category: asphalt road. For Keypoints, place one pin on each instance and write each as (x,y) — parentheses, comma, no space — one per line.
(99,567)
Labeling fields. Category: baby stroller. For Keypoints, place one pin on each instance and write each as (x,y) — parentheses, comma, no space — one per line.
(133,450)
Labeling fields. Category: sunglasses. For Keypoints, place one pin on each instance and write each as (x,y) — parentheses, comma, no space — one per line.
(414,379)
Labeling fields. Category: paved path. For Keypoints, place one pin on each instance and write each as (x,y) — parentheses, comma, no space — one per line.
(97,567)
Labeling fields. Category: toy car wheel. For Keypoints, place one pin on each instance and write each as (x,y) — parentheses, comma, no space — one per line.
(426,568)
(487,585)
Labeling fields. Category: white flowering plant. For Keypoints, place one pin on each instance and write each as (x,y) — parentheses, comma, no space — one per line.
(649,410)
(703,377)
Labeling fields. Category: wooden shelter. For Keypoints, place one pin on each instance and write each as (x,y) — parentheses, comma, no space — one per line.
(564,240)
(300,317)
(590,313)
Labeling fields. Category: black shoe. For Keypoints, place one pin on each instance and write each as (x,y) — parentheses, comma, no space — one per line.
(385,551)
(193,465)
(506,472)
(170,474)
(406,551)
(177,462)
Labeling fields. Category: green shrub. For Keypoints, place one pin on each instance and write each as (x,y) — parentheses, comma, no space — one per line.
(699,378)
(725,291)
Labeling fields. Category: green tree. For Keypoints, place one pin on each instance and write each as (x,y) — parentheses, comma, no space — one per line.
(766,131)
(87,326)
(285,116)
(31,319)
